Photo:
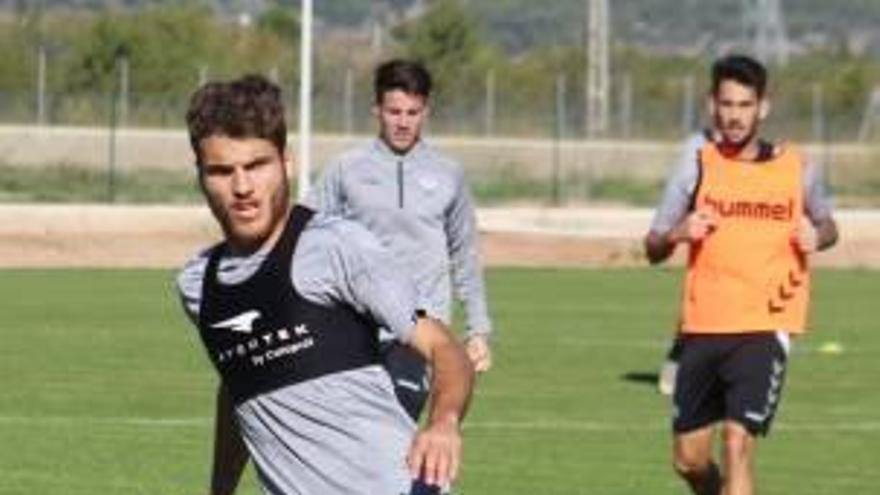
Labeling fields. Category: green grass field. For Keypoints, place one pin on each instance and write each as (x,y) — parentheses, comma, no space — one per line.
(106,390)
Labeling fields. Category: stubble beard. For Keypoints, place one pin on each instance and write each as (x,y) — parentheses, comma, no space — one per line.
(252,236)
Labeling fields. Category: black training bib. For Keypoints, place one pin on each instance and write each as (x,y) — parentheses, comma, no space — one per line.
(262,335)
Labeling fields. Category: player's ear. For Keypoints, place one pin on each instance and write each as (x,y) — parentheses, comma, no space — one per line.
(289,162)
(200,174)
(376,109)
(710,105)
(764,108)
(200,179)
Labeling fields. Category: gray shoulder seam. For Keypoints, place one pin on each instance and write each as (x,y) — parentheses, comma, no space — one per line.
(330,229)
(347,157)
(440,158)
(192,272)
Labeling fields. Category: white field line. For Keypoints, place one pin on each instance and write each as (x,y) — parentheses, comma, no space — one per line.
(107,421)
(601,426)
(867,426)
(663,342)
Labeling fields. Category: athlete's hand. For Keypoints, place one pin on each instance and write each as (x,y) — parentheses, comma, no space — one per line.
(479,352)
(805,239)
(695,227)
(435,454)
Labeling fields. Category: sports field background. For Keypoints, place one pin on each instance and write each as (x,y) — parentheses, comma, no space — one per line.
(107,391)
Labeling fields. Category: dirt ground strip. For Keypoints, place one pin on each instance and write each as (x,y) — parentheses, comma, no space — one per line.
(164,236)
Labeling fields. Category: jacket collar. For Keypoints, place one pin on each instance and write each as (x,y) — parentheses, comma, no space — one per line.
(383,149)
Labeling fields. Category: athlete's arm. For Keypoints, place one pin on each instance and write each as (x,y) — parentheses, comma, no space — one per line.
(345,263)
(658,247)
(817,235)
(230,453)
(479,351)
(826,233)
(694,228)
(435,455)
(821,232)
(467,274)
(668,225)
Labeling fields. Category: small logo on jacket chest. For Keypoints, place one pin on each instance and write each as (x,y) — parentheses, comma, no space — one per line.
(428,182)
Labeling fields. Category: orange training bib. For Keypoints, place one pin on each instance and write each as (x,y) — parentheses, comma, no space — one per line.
(747,275)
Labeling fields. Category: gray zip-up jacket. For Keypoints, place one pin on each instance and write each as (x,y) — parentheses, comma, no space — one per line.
(420,207)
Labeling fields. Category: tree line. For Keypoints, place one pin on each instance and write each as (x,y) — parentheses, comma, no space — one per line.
(482,88)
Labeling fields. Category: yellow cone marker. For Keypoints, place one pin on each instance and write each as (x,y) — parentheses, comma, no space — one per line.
(831,347)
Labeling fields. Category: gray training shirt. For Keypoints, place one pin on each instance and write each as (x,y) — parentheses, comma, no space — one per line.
(419,206)
(343,433)
(680,188)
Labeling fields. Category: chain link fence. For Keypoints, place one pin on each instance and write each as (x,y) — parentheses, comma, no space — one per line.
(525,142)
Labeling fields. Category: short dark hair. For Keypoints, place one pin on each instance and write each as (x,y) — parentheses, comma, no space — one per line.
(248,107)
(742,69)
(408,76)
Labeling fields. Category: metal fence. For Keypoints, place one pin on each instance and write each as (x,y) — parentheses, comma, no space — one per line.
(488,106)
(522,141)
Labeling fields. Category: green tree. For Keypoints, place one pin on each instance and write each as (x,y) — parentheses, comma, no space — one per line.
(280,21)
(165,47)
(168,45)
(17,71)
(445,38)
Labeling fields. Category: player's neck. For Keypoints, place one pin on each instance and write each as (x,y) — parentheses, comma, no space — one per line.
(247,249)
(399,152)
(747,151)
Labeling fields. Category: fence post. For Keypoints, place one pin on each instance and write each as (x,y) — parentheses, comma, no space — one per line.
(558,135)
(490,104)
(124,82)
(626,106)
(687,108)
(41,85)
(348,103)
(113,123)
(820,131)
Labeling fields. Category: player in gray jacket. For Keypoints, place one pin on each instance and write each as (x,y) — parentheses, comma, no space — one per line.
(417,202)
(287,307)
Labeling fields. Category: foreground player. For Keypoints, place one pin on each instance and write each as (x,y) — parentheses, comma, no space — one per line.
(287,306)
(417,202)
(741,209)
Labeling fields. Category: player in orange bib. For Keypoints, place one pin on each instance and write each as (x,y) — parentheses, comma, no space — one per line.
(751,213)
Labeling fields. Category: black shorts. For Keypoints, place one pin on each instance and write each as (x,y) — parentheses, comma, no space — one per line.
(735,377)
(421,488)
(409,374)
(674,352)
